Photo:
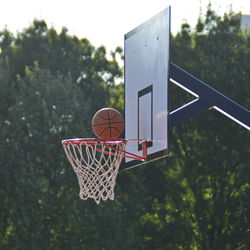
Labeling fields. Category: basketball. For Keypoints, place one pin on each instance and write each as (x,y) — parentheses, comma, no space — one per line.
(107,123)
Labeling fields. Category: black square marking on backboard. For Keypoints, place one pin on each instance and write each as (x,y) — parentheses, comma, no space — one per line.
(146,91)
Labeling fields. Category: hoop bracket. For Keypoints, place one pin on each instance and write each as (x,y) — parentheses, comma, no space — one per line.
(134,156)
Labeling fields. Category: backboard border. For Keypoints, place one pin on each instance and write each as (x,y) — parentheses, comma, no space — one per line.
(152,157)
(165,152)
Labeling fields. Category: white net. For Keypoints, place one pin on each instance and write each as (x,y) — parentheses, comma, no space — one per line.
(96,164)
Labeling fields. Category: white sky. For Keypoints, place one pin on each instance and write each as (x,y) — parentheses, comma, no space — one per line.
(106,21)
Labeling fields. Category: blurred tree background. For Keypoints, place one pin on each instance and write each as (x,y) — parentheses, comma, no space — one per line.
(52,83)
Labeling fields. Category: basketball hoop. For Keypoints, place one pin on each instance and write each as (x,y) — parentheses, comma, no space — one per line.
(96,163)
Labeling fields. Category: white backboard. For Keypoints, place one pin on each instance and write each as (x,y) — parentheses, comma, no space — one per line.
(146,86)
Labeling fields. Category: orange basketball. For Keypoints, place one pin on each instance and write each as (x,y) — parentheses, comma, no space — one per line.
(107,123)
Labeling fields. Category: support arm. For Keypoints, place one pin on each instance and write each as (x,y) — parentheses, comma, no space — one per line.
(207,97)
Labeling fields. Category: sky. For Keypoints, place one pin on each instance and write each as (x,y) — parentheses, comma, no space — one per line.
(104,22)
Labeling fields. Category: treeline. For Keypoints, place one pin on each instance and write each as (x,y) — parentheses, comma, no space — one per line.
(52,83)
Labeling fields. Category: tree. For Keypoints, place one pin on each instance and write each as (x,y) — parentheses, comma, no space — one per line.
(45,100)
(58,53)
(207,181)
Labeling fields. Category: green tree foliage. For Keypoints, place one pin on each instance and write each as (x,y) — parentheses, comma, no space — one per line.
(47,96)
(62,53)
(206,180)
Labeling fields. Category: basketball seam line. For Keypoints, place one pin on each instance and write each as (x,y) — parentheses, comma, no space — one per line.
(109,125)
(109,130)
(107,118)
(101,124)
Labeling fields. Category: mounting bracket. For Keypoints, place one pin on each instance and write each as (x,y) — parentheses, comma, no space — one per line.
(206,98)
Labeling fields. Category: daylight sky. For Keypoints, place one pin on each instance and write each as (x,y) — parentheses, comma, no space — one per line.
(104,22)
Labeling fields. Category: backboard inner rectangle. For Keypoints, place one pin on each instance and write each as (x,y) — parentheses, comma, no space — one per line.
(145,116)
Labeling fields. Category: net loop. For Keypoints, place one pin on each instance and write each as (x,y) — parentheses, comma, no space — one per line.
(96,164)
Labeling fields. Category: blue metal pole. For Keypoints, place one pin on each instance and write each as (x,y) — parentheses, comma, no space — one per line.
(207,97)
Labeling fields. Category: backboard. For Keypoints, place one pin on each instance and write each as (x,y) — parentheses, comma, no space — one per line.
(146,87)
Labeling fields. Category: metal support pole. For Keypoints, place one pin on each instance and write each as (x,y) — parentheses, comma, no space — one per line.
(207,97)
